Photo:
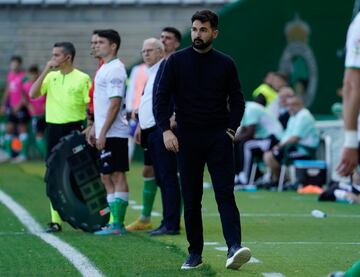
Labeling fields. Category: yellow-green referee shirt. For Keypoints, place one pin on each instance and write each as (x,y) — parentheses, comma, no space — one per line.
(66,96)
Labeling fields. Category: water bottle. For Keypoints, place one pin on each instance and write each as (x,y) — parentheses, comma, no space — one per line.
(318,214)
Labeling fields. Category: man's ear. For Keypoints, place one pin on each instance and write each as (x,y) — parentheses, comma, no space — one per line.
(113,46)
(215,33)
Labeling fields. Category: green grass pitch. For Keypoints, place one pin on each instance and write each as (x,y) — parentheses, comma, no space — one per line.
(278,228)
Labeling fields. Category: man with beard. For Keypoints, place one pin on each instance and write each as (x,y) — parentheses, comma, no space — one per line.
(209,105)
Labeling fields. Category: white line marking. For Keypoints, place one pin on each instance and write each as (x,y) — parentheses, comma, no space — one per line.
(81,263)
(14,233)
(253,260)
(273,274)
(211,243)
(287,215)
(140,207)
(155,213)
(136,207)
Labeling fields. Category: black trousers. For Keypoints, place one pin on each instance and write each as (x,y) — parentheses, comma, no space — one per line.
(214,148)
(165,169)
(56,131)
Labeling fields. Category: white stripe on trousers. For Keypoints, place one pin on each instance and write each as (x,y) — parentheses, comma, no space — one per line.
(249,146)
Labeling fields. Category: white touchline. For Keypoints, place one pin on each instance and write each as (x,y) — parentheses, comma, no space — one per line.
(211,243)
(287,215)
(273,274)
(81,263)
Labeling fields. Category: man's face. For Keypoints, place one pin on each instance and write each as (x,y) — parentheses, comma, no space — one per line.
(278,82)
(59,56)
(33,76)
(170,42)
(284,94)
(202,34)
(93,43)
(151,54)
(103,47)
(294,105)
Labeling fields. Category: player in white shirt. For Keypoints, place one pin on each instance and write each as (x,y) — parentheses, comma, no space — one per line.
(351,99)
(111,129)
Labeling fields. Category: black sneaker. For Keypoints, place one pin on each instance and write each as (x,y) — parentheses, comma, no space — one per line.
(163,231)
(237,256)
(53,228)
(192,261)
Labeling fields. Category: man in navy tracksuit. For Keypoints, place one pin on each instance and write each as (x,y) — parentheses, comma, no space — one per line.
(209,105)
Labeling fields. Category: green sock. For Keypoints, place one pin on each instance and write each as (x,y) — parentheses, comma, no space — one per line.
(24,138)
(354,270)
(41,146)
(122,205)
(114,210)
(7,144)
(148,197)
(111,219)
(55,217)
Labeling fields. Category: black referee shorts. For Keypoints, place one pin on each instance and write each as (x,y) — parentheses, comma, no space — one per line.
(56,131)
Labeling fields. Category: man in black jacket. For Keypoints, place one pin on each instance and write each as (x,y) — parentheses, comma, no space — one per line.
(209,105)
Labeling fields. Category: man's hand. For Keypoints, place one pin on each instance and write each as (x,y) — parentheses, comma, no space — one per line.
(52,64)
(137,135)
(231,133)
(100,142)
(90,135)
(171,141)
(348,161)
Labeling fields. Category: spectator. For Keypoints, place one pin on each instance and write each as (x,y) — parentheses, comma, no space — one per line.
(259,132)
(279,107)
(300,140)
(267,92)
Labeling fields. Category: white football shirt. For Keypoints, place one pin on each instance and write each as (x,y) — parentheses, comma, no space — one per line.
(352,59)
(110,82)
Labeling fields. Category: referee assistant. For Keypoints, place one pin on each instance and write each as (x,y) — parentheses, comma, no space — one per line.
(67,95)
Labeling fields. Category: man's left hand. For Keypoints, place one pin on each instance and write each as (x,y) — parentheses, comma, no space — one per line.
(100,142)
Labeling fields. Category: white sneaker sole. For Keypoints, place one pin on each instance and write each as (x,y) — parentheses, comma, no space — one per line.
(242,256)
(185,267)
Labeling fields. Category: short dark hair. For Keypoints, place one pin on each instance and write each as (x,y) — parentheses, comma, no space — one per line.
(34,69)
(282,75)
(68,48)
(95,32)
(16,59)
(112,35)
(206,16)
(174,31)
